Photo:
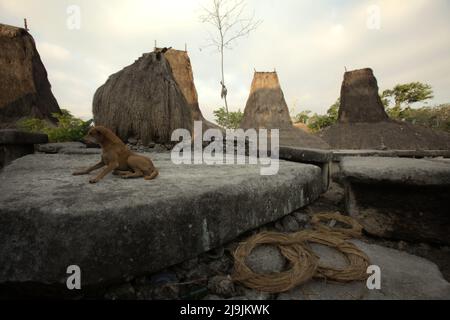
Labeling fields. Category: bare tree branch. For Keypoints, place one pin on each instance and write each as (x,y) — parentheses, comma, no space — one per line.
(226,16)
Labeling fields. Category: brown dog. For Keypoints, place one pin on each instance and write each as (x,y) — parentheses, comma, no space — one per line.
(117,158)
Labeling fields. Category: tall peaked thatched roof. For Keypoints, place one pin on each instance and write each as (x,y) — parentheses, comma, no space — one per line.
(363,123)
(267,108)
(143,101)
(360,100)
(25,89)
(182,71)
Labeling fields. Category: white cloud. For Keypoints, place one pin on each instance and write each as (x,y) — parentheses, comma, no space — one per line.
(51,51)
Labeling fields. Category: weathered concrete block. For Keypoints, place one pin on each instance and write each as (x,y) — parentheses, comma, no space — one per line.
(118,229)
(15,144)
(318,157)
(10,136)
(404,199)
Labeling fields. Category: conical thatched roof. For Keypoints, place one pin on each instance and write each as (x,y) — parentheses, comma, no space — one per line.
(182,71)
(143,101)
(25,89)
(360,101)
(363,123)
(267,108)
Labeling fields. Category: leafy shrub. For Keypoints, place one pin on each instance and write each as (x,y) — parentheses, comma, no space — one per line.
(230,121)
(69,128)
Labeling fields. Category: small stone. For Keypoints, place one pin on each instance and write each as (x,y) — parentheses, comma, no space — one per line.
(278,226)
(266,259)
(221,286)
(132,141)
(302,218)
(216,253)
(221,266)
(290,224)
(402,245)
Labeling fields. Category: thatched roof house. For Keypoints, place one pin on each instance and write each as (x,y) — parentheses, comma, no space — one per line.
(25,89)
(143,101)
(182,71)
(151,98)
(267,108)
(363,123)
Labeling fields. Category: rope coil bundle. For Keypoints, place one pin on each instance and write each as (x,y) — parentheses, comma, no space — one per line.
(354,232)
(303,261)
(357,260)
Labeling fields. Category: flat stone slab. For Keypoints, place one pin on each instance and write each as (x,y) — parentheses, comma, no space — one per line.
(11,136)
(398,198)
(305,155)
(118,229)
(55,147)
(319,157)
(403,277)
(339,154)
(396,170)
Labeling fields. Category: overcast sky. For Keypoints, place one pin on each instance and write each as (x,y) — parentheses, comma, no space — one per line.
(308,42)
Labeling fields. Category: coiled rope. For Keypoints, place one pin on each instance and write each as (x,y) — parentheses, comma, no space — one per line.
(304,263)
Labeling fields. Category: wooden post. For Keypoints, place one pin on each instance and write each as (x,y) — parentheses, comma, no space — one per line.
(155,45)
(185,47)
(25,24)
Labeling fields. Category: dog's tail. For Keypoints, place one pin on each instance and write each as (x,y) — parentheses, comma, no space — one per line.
(152,175)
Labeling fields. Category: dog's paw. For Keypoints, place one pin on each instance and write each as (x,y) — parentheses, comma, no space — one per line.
(93,180)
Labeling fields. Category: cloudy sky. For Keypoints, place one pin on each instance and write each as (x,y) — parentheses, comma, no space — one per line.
(308,42)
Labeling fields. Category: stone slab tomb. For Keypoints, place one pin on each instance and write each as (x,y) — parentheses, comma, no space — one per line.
(119,229)
(398,198)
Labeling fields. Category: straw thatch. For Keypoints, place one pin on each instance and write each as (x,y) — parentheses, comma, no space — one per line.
(25,89)
(267,108)
(143,101)
(182,71)
(363,123)
(360,101)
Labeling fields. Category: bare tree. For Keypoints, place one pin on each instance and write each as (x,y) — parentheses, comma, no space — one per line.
(227,18)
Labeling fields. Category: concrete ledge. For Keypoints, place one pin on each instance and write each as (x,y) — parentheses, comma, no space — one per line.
(396,170)
(118,229)
(318,157)
(305,155)
(403,199)
(15,144)
(339,154)
(10,136)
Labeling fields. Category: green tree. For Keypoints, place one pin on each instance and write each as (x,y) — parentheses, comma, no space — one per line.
(69,128)
(333,111)
(230,120)
(302,117)
(318,122)
(404,95)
